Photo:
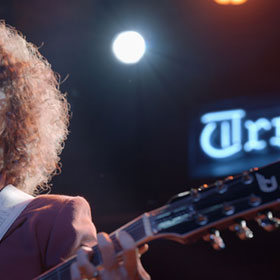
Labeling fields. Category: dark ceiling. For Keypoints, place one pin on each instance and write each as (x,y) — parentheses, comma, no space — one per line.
(128,148)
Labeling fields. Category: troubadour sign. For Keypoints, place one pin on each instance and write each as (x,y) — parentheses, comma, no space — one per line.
(235,139)
(228,124)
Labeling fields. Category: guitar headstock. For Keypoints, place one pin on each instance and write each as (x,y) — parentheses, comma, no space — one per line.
(205,211)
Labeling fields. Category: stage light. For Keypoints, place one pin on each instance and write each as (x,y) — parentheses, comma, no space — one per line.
(230,2)
(238,2)
(223,2)
(129,47)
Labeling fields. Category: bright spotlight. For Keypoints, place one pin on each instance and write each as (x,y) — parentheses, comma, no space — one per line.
(129,47)
(231,2)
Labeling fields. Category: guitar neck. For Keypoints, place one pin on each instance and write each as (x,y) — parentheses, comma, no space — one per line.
(201,213)
(140,231)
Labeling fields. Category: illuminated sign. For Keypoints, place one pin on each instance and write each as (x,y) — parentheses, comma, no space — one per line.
(222,134)
(228,141)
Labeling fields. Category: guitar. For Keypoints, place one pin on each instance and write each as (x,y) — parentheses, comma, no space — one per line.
(202,213)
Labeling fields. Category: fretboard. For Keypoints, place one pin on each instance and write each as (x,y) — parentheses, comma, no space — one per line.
(136,229)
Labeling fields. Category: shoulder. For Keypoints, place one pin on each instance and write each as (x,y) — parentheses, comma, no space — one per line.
(54,203)
(62,224)
(49,212)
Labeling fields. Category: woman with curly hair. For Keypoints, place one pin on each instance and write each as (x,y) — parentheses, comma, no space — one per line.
(38,231)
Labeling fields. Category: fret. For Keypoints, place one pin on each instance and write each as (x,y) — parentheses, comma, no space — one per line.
(62,272)
(97,258)
(65,274)
(116,243)
(137,231)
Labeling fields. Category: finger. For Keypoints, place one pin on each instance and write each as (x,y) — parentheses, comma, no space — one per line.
(143,249)
(85,267)
(87,250)
(130,254)
(107,251)
(75,272)
(142,272)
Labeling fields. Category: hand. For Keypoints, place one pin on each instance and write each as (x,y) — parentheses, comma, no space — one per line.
(128,269)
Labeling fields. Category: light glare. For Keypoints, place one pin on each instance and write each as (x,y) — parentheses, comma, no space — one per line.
(129,47)
(230,2)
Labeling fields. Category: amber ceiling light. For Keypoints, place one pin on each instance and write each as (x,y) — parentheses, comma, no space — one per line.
(230,2)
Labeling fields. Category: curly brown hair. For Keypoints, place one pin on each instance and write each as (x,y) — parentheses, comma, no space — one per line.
(34,114)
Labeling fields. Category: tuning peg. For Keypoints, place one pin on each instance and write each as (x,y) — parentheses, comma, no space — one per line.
(215,239)
(228,209)
(241,230)
(267,221)
(247,178)
(255,200)
(195,194)
(221,187)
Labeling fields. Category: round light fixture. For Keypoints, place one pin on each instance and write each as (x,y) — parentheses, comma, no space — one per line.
(129,47)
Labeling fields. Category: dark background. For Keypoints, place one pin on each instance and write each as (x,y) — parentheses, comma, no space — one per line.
(128,148)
